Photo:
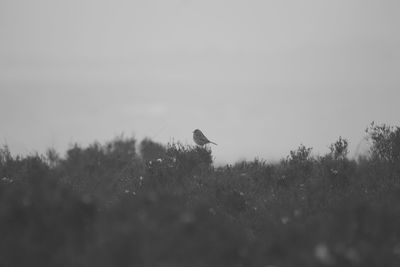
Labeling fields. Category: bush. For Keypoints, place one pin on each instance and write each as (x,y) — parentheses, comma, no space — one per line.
(300,156)
(297,166)
(173,208)
(179,166)
(385,142)
(151,151)
(335,168)
(339,149)
(100,169)
(42,223)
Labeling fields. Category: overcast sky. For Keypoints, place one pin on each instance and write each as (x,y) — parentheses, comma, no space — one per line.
(258,77)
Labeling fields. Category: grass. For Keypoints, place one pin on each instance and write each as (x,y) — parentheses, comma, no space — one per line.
(108,205)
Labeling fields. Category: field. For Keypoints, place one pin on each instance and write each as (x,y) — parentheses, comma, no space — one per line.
(128,204)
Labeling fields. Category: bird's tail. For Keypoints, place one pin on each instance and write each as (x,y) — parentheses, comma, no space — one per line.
(213,143)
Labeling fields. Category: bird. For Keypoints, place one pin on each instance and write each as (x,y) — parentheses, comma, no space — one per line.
(200,139)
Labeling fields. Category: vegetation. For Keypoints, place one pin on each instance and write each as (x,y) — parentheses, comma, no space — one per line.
(108,205)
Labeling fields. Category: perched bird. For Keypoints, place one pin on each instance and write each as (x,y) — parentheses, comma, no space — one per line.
(200,139)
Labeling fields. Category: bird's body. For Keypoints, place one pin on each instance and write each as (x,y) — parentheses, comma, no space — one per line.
(200,139)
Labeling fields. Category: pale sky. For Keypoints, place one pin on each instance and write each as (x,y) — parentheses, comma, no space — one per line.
(257,77)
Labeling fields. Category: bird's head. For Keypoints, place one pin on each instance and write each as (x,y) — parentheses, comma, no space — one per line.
(196,131)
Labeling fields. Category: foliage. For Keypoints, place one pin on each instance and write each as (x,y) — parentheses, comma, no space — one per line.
(151,151)
(297,166)
(188,159)
(107,205)
(385,142)
(300,156)
(339,149)
(100,169)
(335,168)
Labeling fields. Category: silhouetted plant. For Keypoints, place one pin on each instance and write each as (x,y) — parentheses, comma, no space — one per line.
(6,162)
(339,149)
(385,142)
(53,159)
(99,169)
(120,151)
(5,155)
(335,166)
(151,151)
(297,166)
(189,160)
(178,165)
(300,156)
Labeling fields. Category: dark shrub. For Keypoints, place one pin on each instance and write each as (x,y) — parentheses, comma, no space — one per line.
(151,151)
(385,142)
(297,166)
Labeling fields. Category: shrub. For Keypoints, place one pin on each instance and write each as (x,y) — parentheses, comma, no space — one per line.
(53,159)
(5,155)
(335,168)
(151,151)
(297,166)
(179,165)
(339,149)
(385,142)
(42,223)
(301,156)
(99,169)
(172,208)
(5,161)
(190,160)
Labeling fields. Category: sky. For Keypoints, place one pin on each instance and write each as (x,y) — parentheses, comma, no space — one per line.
(259,78)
